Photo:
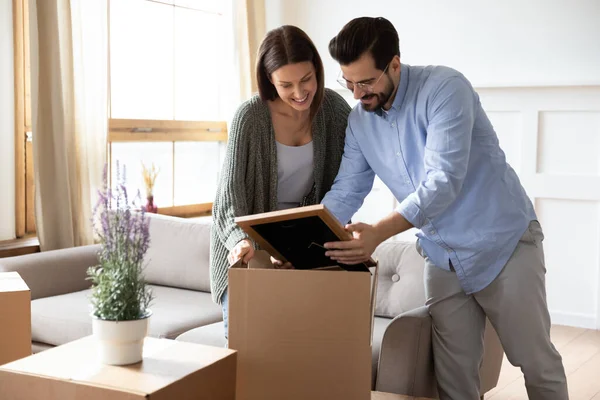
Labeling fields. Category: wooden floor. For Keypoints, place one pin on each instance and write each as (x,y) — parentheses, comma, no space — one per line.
(580,350)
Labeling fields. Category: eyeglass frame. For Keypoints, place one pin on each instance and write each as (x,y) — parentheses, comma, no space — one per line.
(364,87)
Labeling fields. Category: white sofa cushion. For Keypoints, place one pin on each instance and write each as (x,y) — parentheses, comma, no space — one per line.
(179,251)
(400,285)
(209,335)
(60,319)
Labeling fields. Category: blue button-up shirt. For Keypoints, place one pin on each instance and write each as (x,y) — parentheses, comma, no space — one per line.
(438,153)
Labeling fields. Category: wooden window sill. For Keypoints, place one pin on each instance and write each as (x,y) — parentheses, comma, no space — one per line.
(19,247)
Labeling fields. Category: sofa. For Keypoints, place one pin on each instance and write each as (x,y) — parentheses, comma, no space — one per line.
(178,273)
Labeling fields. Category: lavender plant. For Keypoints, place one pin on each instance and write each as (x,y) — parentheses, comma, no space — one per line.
(119,291)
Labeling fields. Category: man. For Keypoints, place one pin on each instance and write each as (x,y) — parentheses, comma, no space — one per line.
(423,131)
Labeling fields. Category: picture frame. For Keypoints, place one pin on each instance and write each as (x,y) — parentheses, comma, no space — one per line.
(298,234)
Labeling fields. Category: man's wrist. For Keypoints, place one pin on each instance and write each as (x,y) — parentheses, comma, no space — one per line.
(392,225)
(382,231)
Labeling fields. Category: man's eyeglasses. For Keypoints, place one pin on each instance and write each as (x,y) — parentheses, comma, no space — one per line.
(363,87)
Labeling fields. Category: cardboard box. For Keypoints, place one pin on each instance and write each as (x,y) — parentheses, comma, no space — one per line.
(301,334)
(169,370)
(15,318)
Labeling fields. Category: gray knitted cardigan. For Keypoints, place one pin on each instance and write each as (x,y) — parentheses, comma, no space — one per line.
(248,180)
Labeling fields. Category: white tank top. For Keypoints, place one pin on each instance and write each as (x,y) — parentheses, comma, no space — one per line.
(294,174)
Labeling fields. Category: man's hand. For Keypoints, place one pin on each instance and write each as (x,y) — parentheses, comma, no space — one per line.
(359,249)
(277,264)
(242,251)
(366,238)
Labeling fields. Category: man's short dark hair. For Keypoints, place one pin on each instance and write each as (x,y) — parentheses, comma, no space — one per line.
(376,35)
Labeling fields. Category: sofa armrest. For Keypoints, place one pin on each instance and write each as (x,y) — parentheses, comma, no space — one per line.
(406,358)
(55,272)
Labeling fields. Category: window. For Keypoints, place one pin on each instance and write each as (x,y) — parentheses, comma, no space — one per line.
(166,98)
(167,95)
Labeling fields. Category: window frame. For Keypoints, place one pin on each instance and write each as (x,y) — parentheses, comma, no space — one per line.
(119,130)
(24,179)
(143,130)
(148,130)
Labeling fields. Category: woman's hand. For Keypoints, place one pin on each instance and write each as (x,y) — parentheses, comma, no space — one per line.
(244,251)
(277,264)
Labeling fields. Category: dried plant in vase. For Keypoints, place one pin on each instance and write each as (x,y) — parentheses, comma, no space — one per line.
(120,298)
(150,175)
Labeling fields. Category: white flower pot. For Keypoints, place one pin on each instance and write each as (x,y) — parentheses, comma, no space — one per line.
(120,342)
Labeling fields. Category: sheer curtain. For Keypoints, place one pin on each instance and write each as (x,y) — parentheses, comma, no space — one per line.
(249,30)
(69,61)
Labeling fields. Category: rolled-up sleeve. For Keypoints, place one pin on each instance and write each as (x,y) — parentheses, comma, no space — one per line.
(451,116)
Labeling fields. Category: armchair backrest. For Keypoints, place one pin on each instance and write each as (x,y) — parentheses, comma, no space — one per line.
(400,285)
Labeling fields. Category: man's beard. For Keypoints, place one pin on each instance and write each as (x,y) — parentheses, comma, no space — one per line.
(382,98)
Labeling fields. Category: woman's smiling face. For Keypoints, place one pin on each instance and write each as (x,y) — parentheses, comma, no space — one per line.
(296,84)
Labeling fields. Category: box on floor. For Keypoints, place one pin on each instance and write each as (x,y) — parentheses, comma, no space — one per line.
(15,318)
(301,334)
(169,370)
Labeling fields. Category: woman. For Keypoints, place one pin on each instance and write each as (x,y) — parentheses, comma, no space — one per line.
(284,150)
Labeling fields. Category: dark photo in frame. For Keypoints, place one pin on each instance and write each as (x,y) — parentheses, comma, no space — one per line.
(297,235)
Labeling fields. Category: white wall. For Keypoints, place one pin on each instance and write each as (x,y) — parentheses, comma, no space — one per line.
(502,43)
(536,66)
(7,147)
(552,137)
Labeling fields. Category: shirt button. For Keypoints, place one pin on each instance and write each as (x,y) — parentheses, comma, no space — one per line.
(393,124)
(432,231)
(395,278)
(398,154)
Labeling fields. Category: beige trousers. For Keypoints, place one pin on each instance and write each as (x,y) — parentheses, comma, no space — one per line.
(515,303)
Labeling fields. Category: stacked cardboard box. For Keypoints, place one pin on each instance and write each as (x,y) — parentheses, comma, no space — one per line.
(15,318)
